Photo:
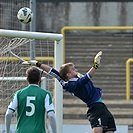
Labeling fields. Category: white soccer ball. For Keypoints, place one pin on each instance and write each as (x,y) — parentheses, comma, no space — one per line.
(25,15)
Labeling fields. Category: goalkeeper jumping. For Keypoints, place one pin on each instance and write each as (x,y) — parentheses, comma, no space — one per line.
(101,119)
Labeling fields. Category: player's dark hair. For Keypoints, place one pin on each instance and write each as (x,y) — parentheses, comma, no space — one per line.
(33,75)
(64,69)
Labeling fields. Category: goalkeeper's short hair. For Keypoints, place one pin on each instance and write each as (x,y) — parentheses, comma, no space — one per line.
(64,69)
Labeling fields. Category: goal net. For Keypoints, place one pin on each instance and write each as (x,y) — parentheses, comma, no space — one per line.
(17,46)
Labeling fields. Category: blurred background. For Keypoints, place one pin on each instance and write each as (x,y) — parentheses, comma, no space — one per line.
(81,45)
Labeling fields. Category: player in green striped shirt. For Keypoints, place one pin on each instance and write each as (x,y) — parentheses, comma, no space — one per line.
(31,103)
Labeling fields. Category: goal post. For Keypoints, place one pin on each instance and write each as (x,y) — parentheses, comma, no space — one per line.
(43,80)
(30,35)
(13,39)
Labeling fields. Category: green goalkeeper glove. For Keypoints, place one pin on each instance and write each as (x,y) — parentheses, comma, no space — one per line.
(97,59)
(32,63)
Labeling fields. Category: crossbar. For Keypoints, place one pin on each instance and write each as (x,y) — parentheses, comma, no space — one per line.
(30,35)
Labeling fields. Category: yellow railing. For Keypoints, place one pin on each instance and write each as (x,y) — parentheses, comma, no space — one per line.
(28,58)
(128,79)
(66,28)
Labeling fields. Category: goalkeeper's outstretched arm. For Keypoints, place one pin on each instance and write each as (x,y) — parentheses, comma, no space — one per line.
(45,67)
(97,60)
(56,74)
(51,71)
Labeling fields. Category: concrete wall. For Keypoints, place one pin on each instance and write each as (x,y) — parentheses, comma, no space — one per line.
(53,16)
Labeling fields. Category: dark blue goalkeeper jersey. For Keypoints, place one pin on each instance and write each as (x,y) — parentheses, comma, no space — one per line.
(81,87)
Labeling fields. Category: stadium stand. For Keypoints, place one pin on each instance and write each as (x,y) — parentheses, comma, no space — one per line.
(111,75)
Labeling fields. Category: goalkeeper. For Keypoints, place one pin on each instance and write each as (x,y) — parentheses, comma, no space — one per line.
(100,117)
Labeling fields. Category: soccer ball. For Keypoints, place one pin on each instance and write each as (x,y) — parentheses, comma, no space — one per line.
(25,15)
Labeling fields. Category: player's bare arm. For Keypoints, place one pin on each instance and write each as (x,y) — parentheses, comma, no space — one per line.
(45,67)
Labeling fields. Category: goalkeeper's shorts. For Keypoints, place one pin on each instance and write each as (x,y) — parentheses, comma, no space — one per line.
(100,116)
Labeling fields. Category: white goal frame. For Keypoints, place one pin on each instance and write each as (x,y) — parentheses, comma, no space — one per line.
(58,61)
